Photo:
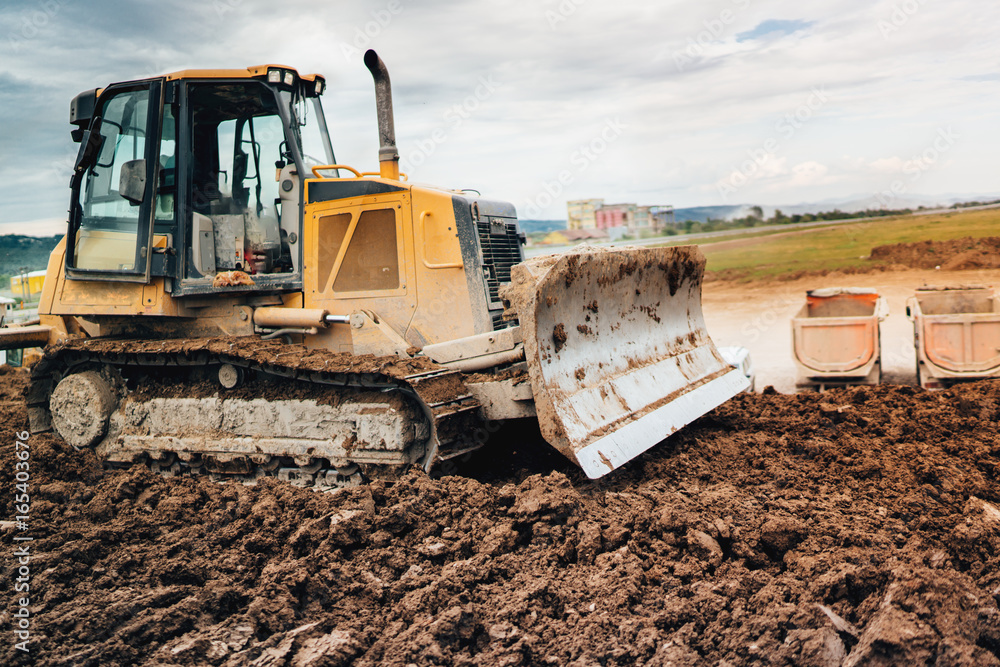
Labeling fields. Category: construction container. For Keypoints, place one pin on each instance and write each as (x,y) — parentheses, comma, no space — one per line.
(835,338)
(956,334)
(28,286)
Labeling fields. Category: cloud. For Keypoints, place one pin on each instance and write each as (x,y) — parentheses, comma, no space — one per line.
(887,165)
(808,174)
(559,82)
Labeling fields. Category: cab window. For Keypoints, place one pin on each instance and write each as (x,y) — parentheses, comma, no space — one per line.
(107,239)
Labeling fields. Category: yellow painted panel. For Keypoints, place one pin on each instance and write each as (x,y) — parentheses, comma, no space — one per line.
(437,239)
(86,297)
(54,272)
(444,310)
(393,305)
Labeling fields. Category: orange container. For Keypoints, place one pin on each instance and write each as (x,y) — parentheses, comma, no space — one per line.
(835,338)
(956,334)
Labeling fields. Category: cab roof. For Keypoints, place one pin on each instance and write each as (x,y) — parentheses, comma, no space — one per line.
(248,73)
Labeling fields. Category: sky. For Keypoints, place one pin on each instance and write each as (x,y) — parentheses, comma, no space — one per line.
(681,102)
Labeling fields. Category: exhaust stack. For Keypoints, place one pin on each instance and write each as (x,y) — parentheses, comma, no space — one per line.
(388,156)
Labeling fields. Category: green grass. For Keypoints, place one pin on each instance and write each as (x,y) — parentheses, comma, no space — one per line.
(763,255)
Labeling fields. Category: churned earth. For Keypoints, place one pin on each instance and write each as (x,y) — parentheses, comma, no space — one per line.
(855,527)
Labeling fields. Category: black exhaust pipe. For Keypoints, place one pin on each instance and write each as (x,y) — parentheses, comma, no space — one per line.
(383,106)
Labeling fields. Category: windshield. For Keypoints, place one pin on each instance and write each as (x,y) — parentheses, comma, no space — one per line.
(309,125)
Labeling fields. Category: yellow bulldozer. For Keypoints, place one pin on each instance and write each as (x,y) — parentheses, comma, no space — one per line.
(229,300)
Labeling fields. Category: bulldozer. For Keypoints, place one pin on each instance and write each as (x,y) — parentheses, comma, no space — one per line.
(230,300)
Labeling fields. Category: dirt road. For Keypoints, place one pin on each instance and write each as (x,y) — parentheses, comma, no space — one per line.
(758,317)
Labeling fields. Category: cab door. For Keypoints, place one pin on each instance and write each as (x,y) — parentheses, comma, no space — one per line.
(110,235)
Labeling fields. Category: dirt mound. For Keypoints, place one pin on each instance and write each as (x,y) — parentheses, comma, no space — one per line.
(954,255)
(854,527)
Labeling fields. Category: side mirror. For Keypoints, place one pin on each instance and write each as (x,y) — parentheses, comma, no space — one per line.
(90,146)
(132,183)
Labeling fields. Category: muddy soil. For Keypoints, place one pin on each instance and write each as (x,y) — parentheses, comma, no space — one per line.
(957,254)
(854,527)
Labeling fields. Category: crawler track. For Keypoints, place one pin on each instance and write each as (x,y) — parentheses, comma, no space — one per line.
(310,416)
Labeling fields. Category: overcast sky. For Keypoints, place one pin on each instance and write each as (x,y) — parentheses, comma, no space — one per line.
(535,102)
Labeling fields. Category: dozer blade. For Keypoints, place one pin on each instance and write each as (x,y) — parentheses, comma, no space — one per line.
(617,350)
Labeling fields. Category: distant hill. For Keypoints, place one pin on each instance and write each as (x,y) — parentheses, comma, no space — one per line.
(30,253)
(865,202)
(703,213)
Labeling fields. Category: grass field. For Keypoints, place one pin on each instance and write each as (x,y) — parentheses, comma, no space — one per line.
(825,249)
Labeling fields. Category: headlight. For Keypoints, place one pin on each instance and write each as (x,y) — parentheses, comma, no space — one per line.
(274,76)
(289,78)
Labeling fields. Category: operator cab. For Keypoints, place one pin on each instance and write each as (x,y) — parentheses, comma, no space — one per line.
(195,174)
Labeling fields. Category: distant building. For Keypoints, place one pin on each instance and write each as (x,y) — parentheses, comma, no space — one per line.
(580,213)
(641,218)
(594,213)
(5,305)
(661,217)
(615,215)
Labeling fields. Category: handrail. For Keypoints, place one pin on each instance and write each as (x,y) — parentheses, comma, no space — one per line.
(357,174)
(324,167)
(423,247)
(402,175)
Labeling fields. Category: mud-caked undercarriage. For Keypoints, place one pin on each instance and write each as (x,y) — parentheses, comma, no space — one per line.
(246,408)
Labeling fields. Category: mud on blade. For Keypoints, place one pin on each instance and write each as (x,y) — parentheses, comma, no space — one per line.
(617,350)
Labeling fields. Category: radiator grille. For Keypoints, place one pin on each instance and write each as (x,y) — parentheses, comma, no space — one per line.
(500,323)
(500,251)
